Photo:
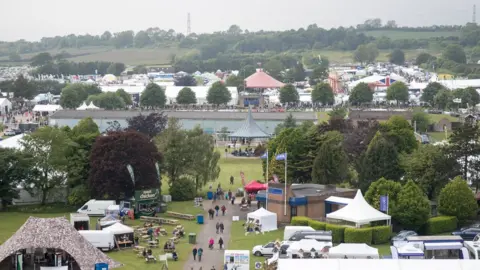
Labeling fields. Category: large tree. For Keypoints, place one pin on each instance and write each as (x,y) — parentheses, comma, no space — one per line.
(153,97)
(413,207)
(469,96)
(323,93)
(331,163)
(16,168)
(398,91)
(430,92)
(464,144)
(430,167)
(383,187)
(49,147)
(126,97)
(397,57)
(186,96)
(109,159)
(23,88)
(366,53)
(109,101)
(235,81)
(186,80)
(150,125)
(421,121)
(218,94)
(455,53)
(289,94)
(361,94)
(443,99)
(457,199)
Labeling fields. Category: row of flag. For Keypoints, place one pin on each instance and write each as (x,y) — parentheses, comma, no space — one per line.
(282,156)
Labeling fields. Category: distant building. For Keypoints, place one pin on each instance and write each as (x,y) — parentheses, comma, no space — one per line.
(5,106)
(256,84)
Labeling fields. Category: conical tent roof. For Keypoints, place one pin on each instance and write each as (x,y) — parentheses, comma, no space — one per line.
(92,106)
(359,212)
(83,106)
(249,129)
(56,233)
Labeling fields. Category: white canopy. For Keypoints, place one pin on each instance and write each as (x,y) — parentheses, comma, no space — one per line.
(14,142)
(118,228)
(410,251)
(306,245)
(364,264)
(47,108)
(267,219)
(353,251)
(92,106)
(359,212)
(82,107)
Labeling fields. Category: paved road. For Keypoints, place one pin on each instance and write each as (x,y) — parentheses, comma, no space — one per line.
(213,257)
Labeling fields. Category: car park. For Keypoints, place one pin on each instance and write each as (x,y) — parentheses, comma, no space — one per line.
(402,236)
(268,249)
(9,133)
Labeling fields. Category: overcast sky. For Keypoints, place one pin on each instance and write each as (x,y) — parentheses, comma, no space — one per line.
(34,19)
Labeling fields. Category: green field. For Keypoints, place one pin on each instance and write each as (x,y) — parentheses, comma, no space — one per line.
(341,57)
(411,34)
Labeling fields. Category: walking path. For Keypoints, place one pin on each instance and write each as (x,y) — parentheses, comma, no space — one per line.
(213,257)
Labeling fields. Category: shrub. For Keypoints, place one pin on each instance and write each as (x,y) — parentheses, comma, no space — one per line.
(457,199)
(440,224)
(337,232)
(317,225)
(381,234)
(183,189)
(355,235)
(300,221)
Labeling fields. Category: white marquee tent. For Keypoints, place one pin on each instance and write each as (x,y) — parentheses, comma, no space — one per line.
(13,142)
(118,228)
(47,108)
(359,212)
(364,264)
(200,92)
(82,107)
(92,106)
(267,219)
(353,251)
(306,245)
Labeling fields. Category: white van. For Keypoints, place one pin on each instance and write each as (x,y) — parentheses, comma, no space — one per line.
(95,207)
(103,240)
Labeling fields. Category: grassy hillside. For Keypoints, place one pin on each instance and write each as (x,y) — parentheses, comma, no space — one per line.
(410,34)
(340,57)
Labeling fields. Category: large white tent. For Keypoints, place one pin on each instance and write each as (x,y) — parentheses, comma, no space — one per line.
(47,108)
(353,251)
(200,92)
(267,219)
(82,107)
(118,228)
(306,245)
(14,142)
(363,264)
(92,106)
(359,212)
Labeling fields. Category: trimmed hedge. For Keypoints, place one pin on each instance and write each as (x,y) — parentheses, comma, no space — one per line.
(317,225)
(354,235)
(440,224)
(337,232)
(300,221)
(381,234)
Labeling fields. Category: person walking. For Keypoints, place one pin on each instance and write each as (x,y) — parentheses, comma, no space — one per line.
(217,226)
(211,213)
(231,180)
(220,243)
(216,209)
(200,253)
(194,252)
(223,210)
(222,227)
(210,243)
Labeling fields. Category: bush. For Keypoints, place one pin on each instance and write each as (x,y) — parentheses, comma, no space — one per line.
(355,235)
(440,224)
(457,199)
(300,221)
(381,234)
(317,225)
(337,232)
(183,189)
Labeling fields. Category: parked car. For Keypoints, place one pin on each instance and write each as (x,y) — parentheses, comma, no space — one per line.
(474,225)
(402,236)
(468,233)
(17,131)
(267,250)
(9,133)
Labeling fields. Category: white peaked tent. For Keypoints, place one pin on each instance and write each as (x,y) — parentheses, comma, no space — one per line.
(92,106)
(82,107)
(267,219)
(359,212)
(353,251)
(118,228)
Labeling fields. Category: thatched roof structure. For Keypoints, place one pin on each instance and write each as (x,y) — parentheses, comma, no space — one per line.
(55,233)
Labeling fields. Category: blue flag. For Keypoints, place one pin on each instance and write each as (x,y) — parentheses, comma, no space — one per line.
(265,155)
(282,156)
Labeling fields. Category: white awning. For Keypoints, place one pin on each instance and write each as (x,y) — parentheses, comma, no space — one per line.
(443,245)
(338,200)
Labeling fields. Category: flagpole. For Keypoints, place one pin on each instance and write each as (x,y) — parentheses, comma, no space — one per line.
(266,173)
(285,193)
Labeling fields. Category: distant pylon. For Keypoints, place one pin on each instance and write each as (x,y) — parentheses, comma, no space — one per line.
(189,26)
(474,15)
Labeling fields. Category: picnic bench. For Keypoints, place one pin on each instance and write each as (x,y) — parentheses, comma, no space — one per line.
(180,215)
(159,220)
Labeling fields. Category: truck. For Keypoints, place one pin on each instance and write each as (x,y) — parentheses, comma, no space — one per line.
(102,240)
(95,207)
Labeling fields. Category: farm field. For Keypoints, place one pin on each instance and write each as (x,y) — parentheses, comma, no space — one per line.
(341,57)
(410,34)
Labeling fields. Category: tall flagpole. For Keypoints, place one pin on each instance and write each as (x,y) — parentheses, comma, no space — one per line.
(266,199)
(285,193)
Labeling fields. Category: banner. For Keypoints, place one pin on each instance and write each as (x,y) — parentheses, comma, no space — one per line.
(242,175)
(130,171)
(147,195)
(384,203)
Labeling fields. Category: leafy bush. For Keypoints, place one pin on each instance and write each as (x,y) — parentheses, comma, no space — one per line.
(381,234)
(457,199)
(337,232)
(413,208)
(183,189)
(300,221)
(355,235)
(440,224)
(317,225)
(78,196)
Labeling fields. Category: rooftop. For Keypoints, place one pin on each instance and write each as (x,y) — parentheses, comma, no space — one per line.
(302,190)
(193,115)
(261,79)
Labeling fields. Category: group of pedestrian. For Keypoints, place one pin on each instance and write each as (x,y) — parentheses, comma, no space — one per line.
(214,212)
(211,243)
(220,227)
(197,252)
